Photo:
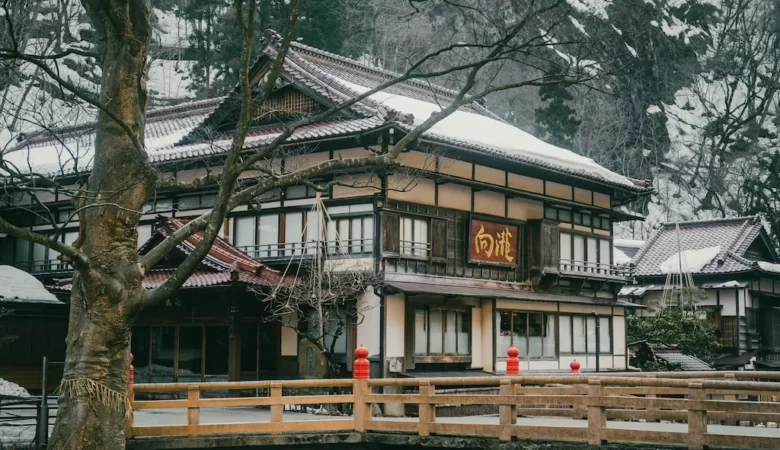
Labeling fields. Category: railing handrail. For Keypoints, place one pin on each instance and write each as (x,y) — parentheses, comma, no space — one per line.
(595,396)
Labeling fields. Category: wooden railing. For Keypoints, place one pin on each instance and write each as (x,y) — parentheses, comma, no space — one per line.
(692,398)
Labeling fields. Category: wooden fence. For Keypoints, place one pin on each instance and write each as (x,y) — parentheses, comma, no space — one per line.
(693,398)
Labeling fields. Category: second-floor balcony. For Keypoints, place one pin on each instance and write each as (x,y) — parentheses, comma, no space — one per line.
(336,248)
(590,269)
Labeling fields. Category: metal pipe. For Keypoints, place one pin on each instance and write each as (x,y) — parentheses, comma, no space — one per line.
(598,339)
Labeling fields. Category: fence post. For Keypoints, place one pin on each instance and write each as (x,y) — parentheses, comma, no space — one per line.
(507,413)
(42,433)
(652,410)
(361,372)
(729,397)
(130,416)
(277,407)
(427,411)
(193,409)
(697,417)
(597,417)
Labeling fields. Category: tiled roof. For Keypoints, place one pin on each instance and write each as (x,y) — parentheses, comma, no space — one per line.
(222,256)
(732,235)
(687,363)
(199,278)
(224,264)
(176,133)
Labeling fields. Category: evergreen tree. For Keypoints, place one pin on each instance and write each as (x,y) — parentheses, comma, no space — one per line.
(557,121)
(763,194)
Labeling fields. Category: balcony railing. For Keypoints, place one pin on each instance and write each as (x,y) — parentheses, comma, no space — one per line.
(415,249)
(593,269)
(363,246)
(45,265)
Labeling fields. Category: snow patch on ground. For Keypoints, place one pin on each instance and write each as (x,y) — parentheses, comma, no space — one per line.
(11,389)
(18,285)
(578,25)
(692,260)
(631,50)
(654,109)
(596,7)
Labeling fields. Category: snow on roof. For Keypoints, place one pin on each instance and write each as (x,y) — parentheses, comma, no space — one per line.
(769,267)
(19,286)
(483,131)
(11,389)
(630,243)
(620,257)
(691,260)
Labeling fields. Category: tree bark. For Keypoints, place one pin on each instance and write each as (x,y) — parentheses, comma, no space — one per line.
(108,294)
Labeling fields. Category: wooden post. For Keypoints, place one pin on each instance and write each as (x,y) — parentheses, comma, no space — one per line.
(277,408)
(193,409)
(730,397)
(597,417)
(427,411)
(697,417)
(652,410)
(130,414)
(362,410)
(507,413)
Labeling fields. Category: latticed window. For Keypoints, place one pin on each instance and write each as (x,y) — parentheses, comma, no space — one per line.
(287,104)
(729,332)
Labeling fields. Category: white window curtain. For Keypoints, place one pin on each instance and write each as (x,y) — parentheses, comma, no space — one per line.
(293,233)
(244,238)
(579,252)
(268,241)
(414,236)
(593,245)
(566,251)
(605,255)
(564,325)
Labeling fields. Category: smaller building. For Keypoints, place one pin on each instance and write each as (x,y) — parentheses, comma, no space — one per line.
(734,262)
(667,356)
(35,326)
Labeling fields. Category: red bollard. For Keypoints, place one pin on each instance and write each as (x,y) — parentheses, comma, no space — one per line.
(512,362)
(132,370)
(575,367)
(362,368)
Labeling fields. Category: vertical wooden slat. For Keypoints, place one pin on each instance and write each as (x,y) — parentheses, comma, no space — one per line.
(193,410)
(176,338)
(652,411)
(507,414)
(427,411)
(697,417)
(597,417)
(730,397)
(362,410)
(277,411)
(130,414)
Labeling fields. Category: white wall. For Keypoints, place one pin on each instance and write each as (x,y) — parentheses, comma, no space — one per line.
(619,335)
(368,329)
(289,336)
(395,311)
(487,335)
(476,338)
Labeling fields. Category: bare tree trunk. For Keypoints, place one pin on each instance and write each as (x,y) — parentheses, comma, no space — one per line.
(107,295)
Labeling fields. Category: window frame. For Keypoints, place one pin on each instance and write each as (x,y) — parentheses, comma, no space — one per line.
(401,247)
(571,317)
(366,248)
(584,266)
(465,312)
(527,313)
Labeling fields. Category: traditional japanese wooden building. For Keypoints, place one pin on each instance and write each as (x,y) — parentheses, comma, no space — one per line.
(486,236)
(735,264)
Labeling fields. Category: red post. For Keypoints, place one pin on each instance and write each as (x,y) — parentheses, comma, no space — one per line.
(512,362)
(575,366)
(132,370)
(361,369)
